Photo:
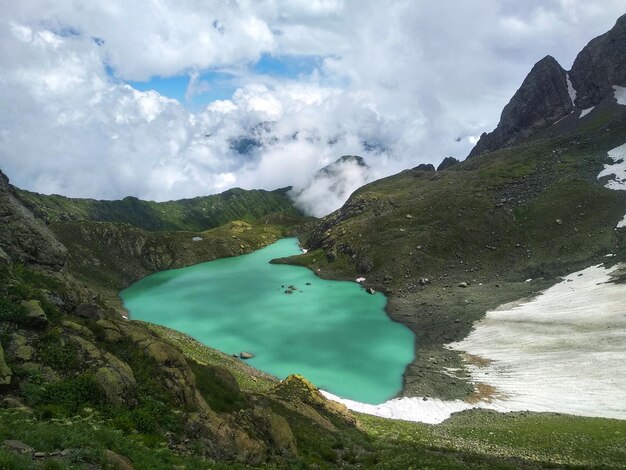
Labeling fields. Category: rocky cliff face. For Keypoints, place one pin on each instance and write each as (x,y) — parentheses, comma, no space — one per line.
(549,94)
(542,100)
(599,66)
(23,238)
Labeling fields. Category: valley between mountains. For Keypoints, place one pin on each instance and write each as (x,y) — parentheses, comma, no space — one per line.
(507,266)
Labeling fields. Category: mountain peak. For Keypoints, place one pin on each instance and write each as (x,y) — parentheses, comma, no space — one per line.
(542,100)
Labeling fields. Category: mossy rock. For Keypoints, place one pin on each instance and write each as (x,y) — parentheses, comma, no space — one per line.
(34,313)
(116,381)
(19,350)
(112,461)
(110,332)
(279,431)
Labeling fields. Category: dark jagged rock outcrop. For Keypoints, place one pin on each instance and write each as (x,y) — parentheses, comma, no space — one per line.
(600,66)
(545,96)
(23,238)
(542,100)
(447,163)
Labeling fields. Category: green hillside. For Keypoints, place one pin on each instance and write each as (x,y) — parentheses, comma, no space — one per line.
(196,214)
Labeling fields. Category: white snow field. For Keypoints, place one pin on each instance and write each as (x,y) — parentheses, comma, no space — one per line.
(563,351)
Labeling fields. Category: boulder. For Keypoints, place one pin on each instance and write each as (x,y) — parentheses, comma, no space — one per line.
(463,284)
(279,431)
(281,434)
(19,349)
(87,350)
(89,311)
(116,381)
(112,461)
(5,370)
(77,329)
(246,355)
(34,313)
(13,403)
(110,331)
(301,396)
(16,446)
(370,291)
(177,376)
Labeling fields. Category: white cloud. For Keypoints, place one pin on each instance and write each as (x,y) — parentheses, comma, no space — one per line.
(398,84)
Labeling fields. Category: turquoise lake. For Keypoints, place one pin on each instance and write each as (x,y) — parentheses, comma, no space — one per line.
(332,332)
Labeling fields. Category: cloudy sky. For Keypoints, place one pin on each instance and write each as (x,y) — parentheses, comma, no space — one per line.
(164,99)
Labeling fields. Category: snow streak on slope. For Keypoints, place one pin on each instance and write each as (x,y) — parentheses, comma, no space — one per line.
(620,94)
(617,169)
(570,89)
(585,112)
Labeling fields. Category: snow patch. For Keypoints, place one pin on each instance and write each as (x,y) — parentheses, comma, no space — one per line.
(431,410)
(570,89)
(585,112)
(620,94)
(617,169)
(360,279)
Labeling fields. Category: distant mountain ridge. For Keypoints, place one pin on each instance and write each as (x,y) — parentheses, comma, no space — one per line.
(549,93)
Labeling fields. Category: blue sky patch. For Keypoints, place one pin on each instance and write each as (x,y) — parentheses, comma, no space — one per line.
(221,86)
(287,66)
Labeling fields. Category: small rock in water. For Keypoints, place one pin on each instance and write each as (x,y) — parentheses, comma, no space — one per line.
(288,292)
(308,283)
(246,355)
(369,290)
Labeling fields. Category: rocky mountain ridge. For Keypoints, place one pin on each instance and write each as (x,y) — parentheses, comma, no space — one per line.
(549,93)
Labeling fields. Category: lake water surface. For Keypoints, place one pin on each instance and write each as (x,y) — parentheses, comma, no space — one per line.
(332,332)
